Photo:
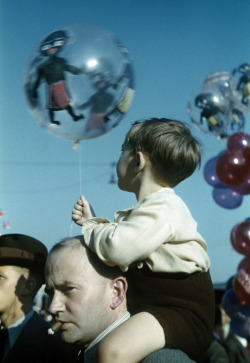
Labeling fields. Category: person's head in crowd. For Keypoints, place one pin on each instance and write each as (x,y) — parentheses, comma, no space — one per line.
(170,147)
(22,263)
(86,295)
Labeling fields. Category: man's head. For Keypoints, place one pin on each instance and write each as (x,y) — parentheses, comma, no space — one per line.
(22,262)
(86,295)
(170,146)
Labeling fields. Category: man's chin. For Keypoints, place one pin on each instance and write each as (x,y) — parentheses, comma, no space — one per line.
(68,337)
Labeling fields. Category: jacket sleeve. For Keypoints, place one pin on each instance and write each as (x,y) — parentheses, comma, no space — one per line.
(132,238)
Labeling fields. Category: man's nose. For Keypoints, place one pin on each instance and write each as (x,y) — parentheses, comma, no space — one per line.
(56,304)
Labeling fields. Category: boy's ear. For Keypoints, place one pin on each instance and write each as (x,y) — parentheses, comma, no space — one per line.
(140,161)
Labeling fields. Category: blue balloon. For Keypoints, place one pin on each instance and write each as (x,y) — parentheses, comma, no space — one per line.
(241,328)
(210,175)
(227,198)
(234,308)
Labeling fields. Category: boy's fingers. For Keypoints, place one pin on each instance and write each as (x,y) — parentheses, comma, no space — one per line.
(79,201)
(84,201)
(78,207)
(76,212)
(76,217)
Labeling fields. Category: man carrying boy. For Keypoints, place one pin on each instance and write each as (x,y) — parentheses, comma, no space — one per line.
(157,244)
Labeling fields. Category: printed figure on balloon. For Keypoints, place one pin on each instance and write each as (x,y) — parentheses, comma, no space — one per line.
(210,111)
(53,71)
(101,101)
(125,102)
(244,83)
(238,120)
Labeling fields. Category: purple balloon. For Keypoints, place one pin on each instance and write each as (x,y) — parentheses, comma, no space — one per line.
(227,198)
(210,175)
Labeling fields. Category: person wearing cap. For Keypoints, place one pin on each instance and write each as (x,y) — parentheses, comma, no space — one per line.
(24,333)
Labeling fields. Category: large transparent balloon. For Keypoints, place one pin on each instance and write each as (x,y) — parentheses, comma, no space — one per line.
(79,82)
(241,75)
(211,107)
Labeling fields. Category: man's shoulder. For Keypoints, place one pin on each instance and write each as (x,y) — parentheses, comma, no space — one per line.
(37,323)
(35,340)
(167,356)
(159,356)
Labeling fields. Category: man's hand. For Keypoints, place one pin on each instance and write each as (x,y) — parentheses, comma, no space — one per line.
(82,211)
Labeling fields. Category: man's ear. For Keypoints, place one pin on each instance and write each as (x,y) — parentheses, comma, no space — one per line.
(140,161)
(120,287)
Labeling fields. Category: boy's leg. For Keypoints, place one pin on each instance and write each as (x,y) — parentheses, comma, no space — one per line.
(132,341)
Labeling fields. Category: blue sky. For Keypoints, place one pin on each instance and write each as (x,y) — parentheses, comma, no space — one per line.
(174,45)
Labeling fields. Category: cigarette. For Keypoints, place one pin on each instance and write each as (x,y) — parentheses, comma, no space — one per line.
(56,326)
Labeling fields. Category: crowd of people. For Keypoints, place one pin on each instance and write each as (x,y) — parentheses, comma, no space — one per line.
(136,289)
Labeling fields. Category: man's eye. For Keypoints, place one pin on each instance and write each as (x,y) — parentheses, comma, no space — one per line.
(68,289)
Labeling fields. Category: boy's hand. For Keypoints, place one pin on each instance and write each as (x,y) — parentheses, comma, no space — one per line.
(82,211)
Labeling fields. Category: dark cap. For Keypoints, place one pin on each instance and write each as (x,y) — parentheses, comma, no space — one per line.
(24,251)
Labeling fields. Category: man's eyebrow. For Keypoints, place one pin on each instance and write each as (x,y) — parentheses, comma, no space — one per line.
(60,286)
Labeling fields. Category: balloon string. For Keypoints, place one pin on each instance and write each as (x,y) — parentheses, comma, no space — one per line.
(79,148)
(80,167)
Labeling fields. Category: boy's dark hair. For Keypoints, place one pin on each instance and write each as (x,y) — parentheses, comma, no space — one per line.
(170,146)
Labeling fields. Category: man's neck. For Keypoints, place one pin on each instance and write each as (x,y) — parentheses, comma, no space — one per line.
(11,317)
(116,323)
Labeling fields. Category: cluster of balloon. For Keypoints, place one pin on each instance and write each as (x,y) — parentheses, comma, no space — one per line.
(229,172)
(236,301)
(79,82)
(212,109)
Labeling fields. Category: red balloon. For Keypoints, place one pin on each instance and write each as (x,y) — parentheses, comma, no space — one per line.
(238,141)
(231,168)
(244,264)
(242,285)
(240,238)
(243,188)
(246,154)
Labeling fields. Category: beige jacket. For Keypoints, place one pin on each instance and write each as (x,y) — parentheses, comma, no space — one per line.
(158,229)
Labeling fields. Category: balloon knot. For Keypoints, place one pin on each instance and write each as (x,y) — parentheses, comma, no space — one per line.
(76,144)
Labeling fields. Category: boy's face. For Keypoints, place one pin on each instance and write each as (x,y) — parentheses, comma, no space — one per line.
(125,168)
(10,286)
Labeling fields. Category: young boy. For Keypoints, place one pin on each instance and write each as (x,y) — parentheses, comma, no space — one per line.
(156,241)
